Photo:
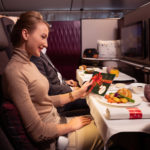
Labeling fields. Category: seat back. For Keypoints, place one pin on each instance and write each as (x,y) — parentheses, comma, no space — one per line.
(12,126)
(6,25)
(64,47)
(5,44)
(11,123)
(4,144)
(6,49)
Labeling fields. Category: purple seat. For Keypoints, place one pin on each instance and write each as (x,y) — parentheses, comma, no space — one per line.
(13,127)
(64,47)
(4,144)
(11,123)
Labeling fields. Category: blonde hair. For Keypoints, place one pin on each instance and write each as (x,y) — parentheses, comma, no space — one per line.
(27,20)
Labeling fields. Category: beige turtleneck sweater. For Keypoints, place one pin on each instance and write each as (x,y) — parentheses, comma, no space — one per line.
(28,89)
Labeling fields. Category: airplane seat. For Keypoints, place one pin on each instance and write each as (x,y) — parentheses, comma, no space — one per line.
(5,52)
(12,132)
(5,45)
(4,144)
(12,126)
(64,47)
(5,42)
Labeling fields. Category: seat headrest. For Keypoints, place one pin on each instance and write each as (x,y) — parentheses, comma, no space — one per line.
(8,24)
(3,40)
(5,29)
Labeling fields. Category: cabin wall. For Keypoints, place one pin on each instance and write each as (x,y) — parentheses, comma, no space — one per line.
(140,73)
(98,29)
(131,17)
(65,17)
(140,14)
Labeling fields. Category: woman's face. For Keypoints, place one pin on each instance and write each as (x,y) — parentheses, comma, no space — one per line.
(37,39)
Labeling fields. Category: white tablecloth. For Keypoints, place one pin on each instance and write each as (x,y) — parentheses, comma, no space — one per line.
(82,77)
(107,127)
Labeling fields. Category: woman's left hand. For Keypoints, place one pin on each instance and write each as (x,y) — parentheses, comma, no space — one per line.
(78,122)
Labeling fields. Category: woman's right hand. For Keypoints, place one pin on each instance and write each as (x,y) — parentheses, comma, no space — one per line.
(84,88)
(78,122)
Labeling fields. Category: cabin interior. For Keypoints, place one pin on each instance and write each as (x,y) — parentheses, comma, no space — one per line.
(77,25)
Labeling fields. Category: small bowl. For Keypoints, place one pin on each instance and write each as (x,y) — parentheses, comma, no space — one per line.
(137,88)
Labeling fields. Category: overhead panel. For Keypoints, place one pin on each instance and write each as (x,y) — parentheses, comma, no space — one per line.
(107,4)
(77,5)
(132,4)
(67,5)
(90,4)
(23,5)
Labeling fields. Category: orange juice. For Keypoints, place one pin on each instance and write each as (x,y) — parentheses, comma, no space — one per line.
(115,71)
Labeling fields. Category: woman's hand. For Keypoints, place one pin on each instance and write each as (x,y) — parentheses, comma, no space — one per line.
(78,122)
(71,83)
(84,89)
(74,124)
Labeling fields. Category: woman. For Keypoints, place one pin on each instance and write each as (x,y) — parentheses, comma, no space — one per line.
(28,89)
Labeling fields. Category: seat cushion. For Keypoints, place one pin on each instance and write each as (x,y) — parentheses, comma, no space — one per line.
(13,127)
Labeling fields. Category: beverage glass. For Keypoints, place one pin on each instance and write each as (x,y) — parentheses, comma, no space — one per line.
(115,71)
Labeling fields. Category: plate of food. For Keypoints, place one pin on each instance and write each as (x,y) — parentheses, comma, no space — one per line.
(121,98)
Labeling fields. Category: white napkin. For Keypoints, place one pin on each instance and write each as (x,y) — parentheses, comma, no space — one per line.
(140,112)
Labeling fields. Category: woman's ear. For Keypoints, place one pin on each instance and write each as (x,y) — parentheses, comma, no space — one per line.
(25,34)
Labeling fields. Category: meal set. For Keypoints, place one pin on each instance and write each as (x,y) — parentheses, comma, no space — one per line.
(118,94)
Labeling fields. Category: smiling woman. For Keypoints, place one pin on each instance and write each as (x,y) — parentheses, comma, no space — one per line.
(28,89)
(36,41)
(27,23)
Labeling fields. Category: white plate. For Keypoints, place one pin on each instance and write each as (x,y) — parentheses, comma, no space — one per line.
(117,86)
(135,97)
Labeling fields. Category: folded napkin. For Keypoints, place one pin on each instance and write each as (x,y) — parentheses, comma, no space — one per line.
(127,113)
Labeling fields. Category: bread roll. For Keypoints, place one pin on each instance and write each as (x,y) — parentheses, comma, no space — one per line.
(125,92)
(82,67)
